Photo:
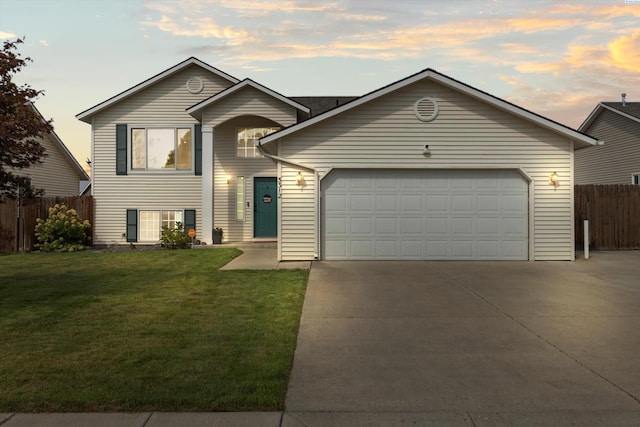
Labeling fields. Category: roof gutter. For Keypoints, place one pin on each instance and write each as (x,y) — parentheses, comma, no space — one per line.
(316,193)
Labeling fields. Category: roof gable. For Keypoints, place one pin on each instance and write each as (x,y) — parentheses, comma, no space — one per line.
(55,139)
(196,110)
(630,111)
(451,83)
(86,115)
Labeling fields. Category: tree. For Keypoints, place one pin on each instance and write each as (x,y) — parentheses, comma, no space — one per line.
(20,126)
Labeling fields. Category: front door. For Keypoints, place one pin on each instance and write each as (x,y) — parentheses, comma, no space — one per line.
(265,207)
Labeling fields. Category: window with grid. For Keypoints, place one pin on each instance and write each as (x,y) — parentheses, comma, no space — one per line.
(247,138)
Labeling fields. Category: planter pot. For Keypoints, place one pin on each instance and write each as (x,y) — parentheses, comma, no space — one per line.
(217,237)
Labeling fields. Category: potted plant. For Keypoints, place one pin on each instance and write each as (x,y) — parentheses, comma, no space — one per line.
(217,235)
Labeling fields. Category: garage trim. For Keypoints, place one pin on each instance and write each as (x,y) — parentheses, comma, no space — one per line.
(457,167)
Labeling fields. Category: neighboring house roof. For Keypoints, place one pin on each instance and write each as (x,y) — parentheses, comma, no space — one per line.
(63,148)
(86,115)
(579,137)
(321,104)
(631,111)
(196,110)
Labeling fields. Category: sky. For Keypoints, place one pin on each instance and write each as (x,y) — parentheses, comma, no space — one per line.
(556,58)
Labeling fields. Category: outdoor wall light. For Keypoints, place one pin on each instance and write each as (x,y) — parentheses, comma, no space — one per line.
(426,150)
(554,179)
(228,180)
(299,178)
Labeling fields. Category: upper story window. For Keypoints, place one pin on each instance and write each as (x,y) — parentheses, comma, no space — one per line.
(247,138)
(157,148)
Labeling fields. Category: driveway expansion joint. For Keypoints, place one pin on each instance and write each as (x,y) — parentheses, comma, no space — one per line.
(6,420)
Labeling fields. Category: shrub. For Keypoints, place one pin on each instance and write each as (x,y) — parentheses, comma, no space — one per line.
(175,238)
(63,231)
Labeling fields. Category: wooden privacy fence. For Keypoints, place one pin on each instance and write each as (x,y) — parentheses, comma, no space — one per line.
(613,212)
(18,220)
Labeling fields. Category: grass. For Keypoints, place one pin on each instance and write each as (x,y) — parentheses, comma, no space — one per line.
(142,331)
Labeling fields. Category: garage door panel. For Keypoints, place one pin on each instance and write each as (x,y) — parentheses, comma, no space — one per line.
(360,203)
(386,249)
(462,226)
(437,249)
(437,203)
(462,249)
(489,226)
(514,226)
(411,203)
(360,226)
(412,249)
(369,214)
(387,225)
(360,249)
(336,225)
(386,202)
(437,226)
(409,226)
(488,203)
(514,203)
(462,203)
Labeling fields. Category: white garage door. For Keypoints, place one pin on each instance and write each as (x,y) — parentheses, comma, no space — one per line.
(433,215)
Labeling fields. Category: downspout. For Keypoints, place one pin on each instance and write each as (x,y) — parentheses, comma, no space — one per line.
(316,193)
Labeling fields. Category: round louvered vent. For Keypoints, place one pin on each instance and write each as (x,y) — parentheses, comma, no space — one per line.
(195,85)
(426,109)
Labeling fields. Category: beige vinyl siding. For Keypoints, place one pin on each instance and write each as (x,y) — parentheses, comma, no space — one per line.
(56,174)
(249,101)
(251,108)
(298,210)
(163,103)
(617,159)
(467,134)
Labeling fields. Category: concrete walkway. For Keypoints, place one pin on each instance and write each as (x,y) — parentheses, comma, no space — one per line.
(260,256)
(448,343)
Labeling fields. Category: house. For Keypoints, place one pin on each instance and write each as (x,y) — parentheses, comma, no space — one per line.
(424,168)
(59,174)
(618,160)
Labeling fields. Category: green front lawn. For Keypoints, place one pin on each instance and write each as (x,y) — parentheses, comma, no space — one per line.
(140,331)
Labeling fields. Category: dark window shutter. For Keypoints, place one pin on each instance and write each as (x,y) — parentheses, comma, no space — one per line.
(121,149)
(132,225)
(198,149)
(189,219)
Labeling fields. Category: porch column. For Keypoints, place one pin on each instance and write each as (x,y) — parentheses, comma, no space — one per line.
(207,185)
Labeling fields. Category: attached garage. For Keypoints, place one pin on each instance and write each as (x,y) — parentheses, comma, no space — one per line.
(425,215)
(426,168)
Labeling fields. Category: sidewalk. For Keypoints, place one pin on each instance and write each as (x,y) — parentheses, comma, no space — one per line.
(144,419)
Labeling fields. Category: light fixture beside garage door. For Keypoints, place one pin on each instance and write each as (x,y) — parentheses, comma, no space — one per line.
(426,109)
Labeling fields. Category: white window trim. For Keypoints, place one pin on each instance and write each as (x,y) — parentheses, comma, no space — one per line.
(133,171)
(241,203)
(160,211)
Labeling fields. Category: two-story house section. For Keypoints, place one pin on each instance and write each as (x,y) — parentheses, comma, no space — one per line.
(423,168)
(180,147)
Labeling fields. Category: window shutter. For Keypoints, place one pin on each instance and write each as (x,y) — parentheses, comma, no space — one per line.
(198,149)
(189,219)
(121,149)
(132,225)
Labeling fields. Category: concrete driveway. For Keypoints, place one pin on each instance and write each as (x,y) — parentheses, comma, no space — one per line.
(469,344)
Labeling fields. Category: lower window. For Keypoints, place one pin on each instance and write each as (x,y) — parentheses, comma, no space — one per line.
(635,179)
(151,223)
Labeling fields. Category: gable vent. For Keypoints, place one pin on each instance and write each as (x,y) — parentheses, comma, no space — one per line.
(195,85)
(426,109)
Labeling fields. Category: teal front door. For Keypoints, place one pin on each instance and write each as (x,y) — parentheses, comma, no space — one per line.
(265,207)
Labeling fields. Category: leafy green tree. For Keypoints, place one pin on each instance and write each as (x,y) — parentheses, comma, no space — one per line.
(20,125)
